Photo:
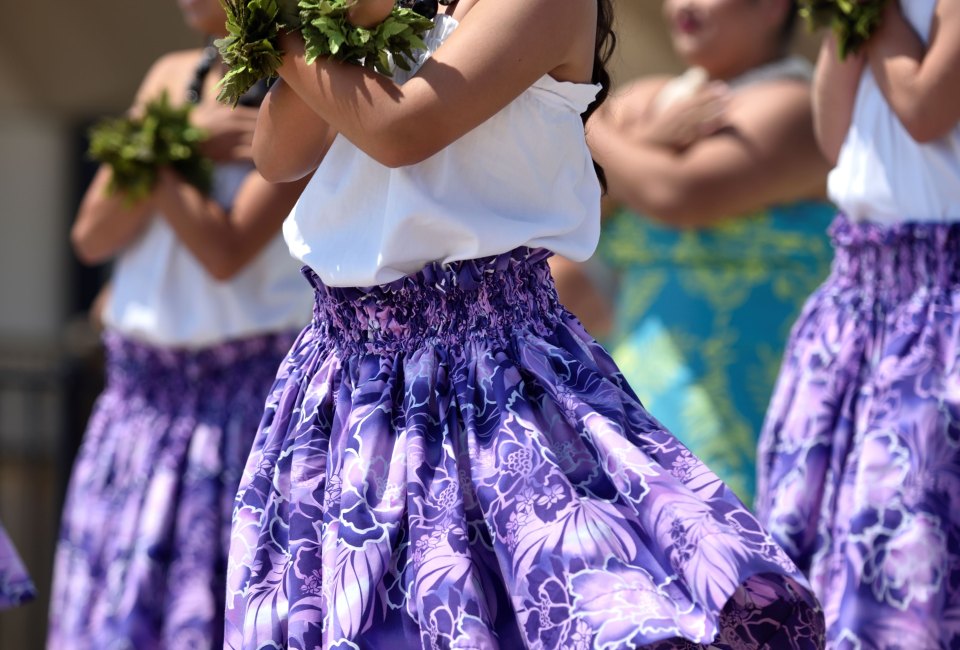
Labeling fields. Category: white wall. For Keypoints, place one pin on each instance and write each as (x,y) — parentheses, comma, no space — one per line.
(33,194)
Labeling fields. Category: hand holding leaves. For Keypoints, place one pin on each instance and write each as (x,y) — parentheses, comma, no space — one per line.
(136,148)
(252,49)
(853,21)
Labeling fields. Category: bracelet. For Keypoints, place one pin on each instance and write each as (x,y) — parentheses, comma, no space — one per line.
(136,148)
(252,51)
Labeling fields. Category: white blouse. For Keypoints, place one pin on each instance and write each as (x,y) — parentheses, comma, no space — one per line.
(163,296)
(883,175)
(523,178)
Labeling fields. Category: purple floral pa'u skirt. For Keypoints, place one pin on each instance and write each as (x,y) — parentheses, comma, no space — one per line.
(141,560)
(15,585)
(450,461)
(860,454)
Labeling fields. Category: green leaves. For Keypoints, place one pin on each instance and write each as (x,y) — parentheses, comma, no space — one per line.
(135,149)
(853,21)
(327,32)
(252,51)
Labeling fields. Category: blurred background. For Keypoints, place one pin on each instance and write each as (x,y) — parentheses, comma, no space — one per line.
(62,66)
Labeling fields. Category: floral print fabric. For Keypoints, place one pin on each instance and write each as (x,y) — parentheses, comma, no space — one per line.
(450,461)
(141,560)
(860,454)
(15,585)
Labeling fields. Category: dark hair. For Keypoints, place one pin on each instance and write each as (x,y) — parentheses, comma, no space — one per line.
(789,23)
(606,42)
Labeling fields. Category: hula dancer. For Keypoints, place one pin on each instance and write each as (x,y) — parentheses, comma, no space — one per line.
(448,459)
(860,454)
(205,302)
(722,235)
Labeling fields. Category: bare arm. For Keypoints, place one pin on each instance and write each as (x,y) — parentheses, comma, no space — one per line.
(224,242)
(768,155)
(500,49)
(920,84)
(834,95)
(279,157)
(104,225)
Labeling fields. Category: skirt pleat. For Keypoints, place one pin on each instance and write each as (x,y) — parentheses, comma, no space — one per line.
(16,587)
(141,560)
(450,461)
(860,454)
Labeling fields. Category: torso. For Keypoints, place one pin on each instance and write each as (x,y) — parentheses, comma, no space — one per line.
(882,174)
(161,294)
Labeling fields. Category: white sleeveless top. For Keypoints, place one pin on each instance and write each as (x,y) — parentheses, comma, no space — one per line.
(163,296)
(883,175)
(523,178)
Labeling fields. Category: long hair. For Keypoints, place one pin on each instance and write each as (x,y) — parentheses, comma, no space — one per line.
(790,22)
(606,43)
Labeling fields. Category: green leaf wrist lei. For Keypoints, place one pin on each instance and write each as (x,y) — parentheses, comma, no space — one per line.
(136,148)
(252,51)
(853,21)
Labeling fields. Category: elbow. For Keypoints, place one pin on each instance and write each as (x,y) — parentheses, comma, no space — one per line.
(922,125)
(85,248)
(222,268)
(678,207)
(402,142)
(277,174)
(401,152)
(279,169)
(222,261)
(924,131)
(828,143)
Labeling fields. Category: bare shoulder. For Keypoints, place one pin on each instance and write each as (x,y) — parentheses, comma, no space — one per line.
(168,73)
(638,94)
(773,106)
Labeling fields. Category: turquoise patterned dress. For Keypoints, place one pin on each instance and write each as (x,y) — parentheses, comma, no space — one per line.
(702,317)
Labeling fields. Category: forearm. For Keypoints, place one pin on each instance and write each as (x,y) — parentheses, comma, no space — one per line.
(224,243)
(370,109)
(717,178)
(650,180)
(105,224)
(834,96)
(290,139)
(918,95)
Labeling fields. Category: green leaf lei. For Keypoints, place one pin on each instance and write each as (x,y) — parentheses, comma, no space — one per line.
(853,21)
(136,148)
(252,51)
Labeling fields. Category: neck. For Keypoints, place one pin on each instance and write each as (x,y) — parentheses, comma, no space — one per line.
(730,72)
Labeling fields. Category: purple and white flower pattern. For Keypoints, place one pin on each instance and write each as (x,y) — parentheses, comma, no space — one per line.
(450,461)
(860,456)
(141,561)
(16,587)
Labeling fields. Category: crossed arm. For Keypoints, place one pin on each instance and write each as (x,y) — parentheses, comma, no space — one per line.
(222,241)
(499,50)
(919,82)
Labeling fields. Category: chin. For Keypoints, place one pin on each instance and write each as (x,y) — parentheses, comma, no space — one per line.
(690,51)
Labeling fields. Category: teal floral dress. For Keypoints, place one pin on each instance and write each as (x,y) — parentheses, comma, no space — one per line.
(702,317)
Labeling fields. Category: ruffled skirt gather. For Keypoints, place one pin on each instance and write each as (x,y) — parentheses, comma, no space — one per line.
(450,461)
(16,587)
(859,463)
(141,559)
